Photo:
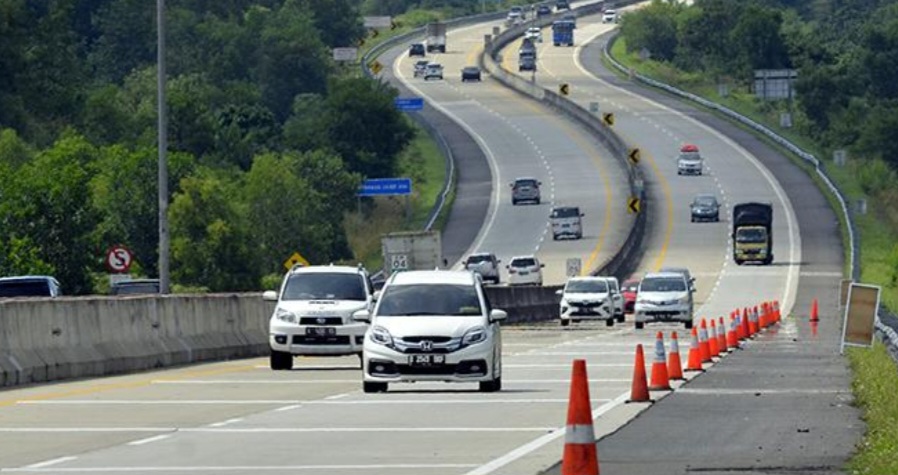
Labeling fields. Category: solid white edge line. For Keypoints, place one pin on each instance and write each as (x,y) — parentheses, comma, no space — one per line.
(50,462)
(236,468)
(165,402)
(150,440)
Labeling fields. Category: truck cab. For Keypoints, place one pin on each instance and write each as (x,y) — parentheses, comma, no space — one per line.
(527,56)
(563,33)
(753,233)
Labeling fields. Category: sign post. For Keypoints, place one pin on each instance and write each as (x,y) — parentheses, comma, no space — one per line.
(574,267)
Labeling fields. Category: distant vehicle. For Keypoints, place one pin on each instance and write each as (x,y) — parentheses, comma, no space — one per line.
(682,271)
(432,326)
(629,289)
(135,287)
(435,37)
(525,189)
(527,56)
(411,250)
(514,18)
(470,73)
(689,161)
(30,286)
(586,298)
(663,297)
(433,71)
(486,264)
(534,34)
(616,297)
(563,33)
(525,270)
(562,5)
(313,314)
(566,222)
(417,49)
(753,233)
(519,11)
(543,10)
(609,16)
(705,208)
(421,67)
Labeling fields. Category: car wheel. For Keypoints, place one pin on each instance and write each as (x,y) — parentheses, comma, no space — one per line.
(621,318)
(491,386)
(639,325)
(609,322)
(554,237)
(514,202)
(280,360)
(688,324)
(374,387)
(361,360)
(767,261)
(692,218)
(537,201)
(739,262)
(565,323)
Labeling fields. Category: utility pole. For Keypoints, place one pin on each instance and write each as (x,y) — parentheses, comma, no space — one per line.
(163,146)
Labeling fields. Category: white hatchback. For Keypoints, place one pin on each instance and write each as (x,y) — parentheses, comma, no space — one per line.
(432,326)
(586,298)
(525,270)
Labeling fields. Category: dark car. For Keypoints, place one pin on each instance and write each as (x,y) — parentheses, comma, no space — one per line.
(417,49)
(470,73)
(30,286)
(562,5)
(135,287)
(629,290)
(543,10)
(705,208)
(525,189)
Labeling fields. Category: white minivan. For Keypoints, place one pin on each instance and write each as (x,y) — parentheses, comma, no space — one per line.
(432,326)
(664,297)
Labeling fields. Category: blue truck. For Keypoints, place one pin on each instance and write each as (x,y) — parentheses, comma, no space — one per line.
(563,33)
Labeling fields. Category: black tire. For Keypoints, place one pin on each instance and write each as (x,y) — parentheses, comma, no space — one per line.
(565,323)
(692,218)
(639,325)
(537,201)
(491,386)
(688,324)
(767,261)
(609,322)
(554,237)
(738,262)
(514,202)
(621,318)
(580,236)
(280,361)
(374,387)
(361,360)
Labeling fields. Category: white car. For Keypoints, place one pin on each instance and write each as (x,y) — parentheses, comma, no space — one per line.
(433,70)
(617,298)
(534,34)
(689,161)
(610,16)
(313,315)
(432,326)
(663,297)
(586,298)
(525,270)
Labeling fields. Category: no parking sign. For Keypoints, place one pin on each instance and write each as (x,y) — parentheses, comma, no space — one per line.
(118,259)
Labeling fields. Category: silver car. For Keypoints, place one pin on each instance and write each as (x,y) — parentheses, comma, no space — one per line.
(663,297)
(689,161)
(486,264)
(525,189)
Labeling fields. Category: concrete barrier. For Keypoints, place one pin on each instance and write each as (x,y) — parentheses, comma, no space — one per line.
(526,304)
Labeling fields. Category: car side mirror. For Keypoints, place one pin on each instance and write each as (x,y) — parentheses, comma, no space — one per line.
(559,292)
(497,315)
(270,296)
(362,315)
(582,214)
(541,266)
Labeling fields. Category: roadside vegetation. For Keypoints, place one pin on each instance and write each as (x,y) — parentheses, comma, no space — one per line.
(845,98)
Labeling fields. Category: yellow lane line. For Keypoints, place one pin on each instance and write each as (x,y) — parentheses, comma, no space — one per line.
(99,388)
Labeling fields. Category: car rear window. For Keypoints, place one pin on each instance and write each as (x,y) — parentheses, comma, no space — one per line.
(530,183)
(476,259)
(526,262)
(25,288)
(324,286)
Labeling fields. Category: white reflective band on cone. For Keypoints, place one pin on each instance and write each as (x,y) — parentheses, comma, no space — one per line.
(659,351)
(579,434)
(674,346)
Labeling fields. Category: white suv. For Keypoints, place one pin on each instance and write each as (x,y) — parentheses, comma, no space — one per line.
(525,270)
(663,297)
(314,312)
(432,326)
(617,298)
(586,298)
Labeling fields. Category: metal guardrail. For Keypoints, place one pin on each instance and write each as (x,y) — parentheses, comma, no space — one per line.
(614,265)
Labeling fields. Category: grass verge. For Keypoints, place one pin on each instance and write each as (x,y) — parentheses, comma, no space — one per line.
(875,373)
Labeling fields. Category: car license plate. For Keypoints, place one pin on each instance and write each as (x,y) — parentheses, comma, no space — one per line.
(321,331)
(524,272)
(426,360)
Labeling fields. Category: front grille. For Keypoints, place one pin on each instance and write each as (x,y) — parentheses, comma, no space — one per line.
(419,339)
(442,370)
(321,340)
(584,304)
(321,321)
(661,313)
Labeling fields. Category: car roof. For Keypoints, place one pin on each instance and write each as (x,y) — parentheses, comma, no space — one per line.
(331,269)
(585,278)
(530,256)
(705,195)
(481,254)
(664,275)
(431,277)
(678,270)
(689,148)
(27,278)
(554,208)
(525,178)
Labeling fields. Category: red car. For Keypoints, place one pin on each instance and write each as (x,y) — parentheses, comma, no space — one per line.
(628,289)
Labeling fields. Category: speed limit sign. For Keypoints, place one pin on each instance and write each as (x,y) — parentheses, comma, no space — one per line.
(118,259)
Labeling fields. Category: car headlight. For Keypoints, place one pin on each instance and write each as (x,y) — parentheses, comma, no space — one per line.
(474,335)
(643,301)
(381,336)
(684,300)
(285,316)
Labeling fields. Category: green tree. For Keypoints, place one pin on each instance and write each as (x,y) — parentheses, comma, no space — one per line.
(653,28)
(759,45)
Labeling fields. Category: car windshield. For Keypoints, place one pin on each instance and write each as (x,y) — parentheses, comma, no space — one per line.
(690,156)
(324,286)
(477,259)
(705,201)
(591,286)
(429,299)
(526,262)
(530,183)
(663,284)
(751,235)
(24,288)
(565,212)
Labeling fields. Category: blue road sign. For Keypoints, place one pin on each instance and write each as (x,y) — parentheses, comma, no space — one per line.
(409,103)
(386,186)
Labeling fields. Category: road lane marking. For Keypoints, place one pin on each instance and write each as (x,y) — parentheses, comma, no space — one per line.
(50,462)
(227,422)
(149,440)
(538,443)
(237,468)
(194,402)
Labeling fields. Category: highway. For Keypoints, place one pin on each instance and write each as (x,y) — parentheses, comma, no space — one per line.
(240,417)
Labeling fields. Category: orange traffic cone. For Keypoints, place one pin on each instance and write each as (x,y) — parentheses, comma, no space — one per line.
(733,334)
(815,317)
(639,392)
(721,336)
(752,322)
(580,456)
(660,379)
(776,311)
(745,327)
(704,348)
(762,317)
(674,365)
(694,362)
(713,349)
